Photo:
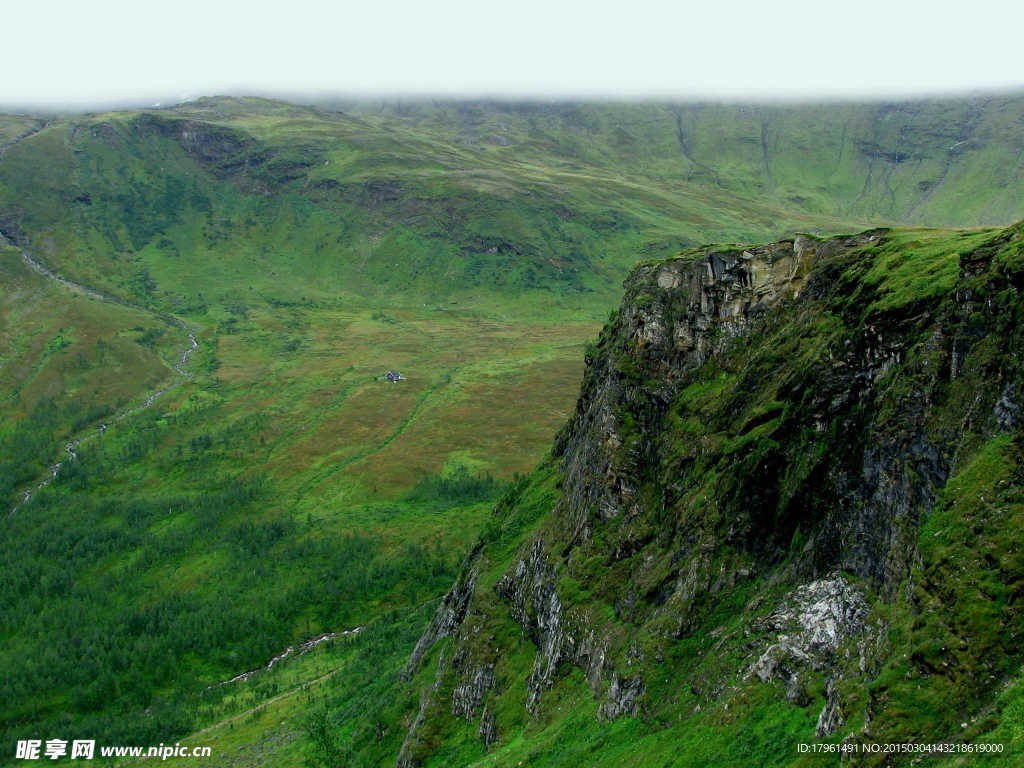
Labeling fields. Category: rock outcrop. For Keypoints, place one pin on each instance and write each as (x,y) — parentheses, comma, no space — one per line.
(676,315)
(760,435)
(450,614)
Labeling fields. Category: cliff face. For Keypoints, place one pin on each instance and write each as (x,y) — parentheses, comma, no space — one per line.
(677,315)
(768,498)
(685,314)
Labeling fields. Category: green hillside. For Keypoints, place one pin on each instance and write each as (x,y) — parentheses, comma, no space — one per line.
(417,203)
(278,488)
(761,528)
(941,162)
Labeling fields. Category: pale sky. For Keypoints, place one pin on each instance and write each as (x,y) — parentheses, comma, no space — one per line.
(113,52)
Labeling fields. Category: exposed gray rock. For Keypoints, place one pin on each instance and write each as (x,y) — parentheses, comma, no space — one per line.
(488,730)
(622,698)
(535,606)
(468,696)
(1007,410)
(809,626)
(450,614)
(830,720)
(531,592)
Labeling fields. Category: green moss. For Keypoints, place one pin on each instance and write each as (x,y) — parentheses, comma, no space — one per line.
(911,267)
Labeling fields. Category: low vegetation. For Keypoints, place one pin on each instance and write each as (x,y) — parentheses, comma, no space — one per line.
(285,490)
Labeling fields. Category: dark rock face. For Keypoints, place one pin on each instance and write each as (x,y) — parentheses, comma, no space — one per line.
(679,317)
(223,151)
(232,155)
(10,228)
(874,524)
(1007,410)
(690,310)
(450,614)
(750,416)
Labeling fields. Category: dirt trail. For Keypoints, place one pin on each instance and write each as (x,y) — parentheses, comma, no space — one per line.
(99,430)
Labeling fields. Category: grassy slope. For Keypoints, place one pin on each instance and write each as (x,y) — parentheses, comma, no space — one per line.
(64,345)
(942,162)
(951,653)
(361,210)
(473,247)
(430,203)
(322,452)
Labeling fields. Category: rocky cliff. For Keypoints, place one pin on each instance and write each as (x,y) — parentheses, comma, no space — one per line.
(789,495)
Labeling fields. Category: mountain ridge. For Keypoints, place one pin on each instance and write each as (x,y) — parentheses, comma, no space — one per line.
(812,523)
(285,492)
(558,197)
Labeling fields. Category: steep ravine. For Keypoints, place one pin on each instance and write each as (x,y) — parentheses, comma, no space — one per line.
(787,508)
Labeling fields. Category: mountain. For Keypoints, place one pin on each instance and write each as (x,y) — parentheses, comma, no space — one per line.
(788,509)
(411,202)
(939,162)
(204,466)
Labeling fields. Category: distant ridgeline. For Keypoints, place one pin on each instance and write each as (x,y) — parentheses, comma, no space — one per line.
(789,507)
(423,202)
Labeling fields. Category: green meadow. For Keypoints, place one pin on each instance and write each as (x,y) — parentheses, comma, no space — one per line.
(286,489)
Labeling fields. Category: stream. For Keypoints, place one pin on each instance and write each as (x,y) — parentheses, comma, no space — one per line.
(302,648)
(101,428)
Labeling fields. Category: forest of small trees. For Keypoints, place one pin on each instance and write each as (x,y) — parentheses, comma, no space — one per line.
(96,623)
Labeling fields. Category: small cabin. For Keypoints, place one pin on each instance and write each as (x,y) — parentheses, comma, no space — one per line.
(394,376)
